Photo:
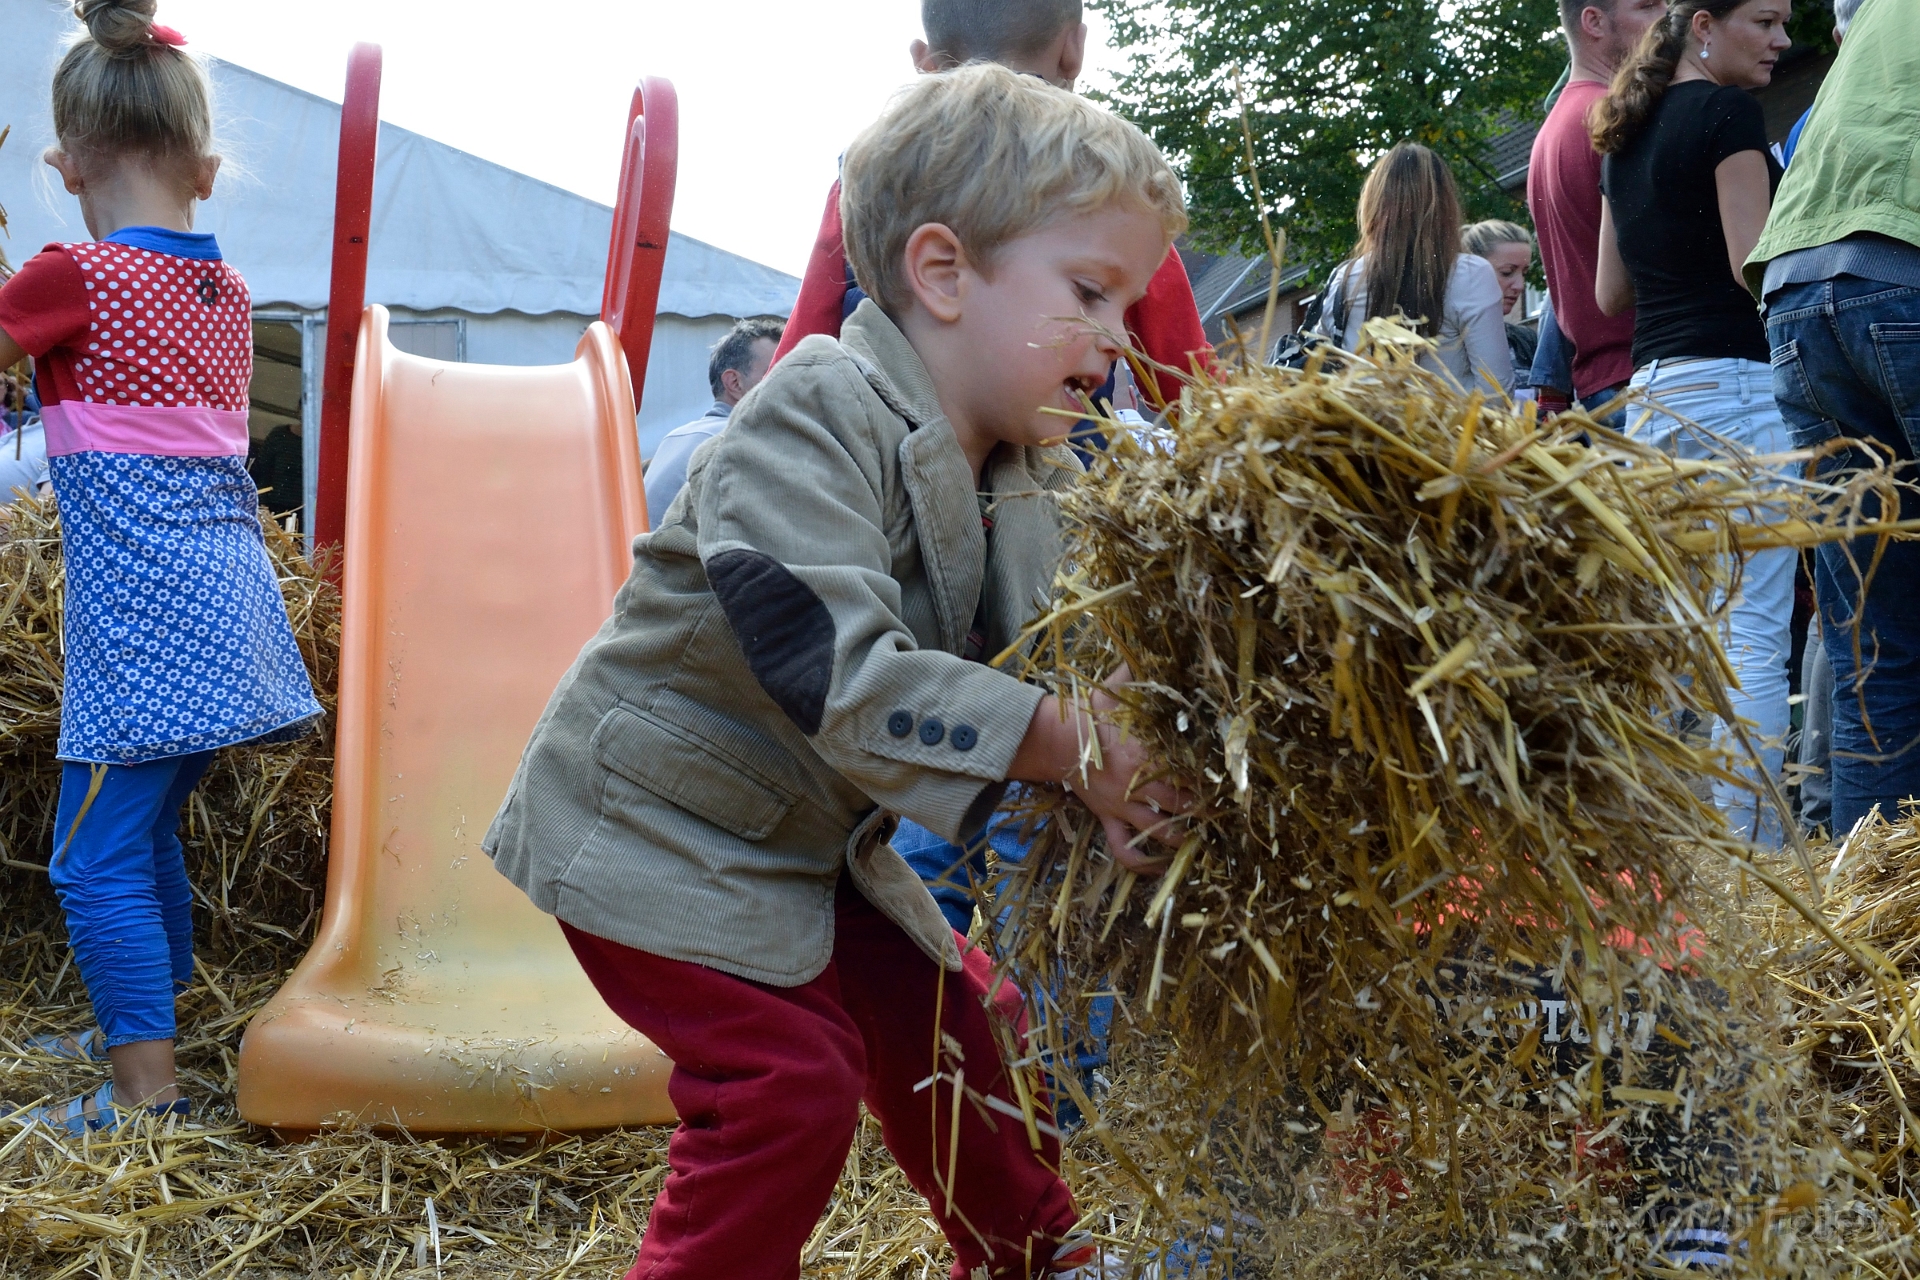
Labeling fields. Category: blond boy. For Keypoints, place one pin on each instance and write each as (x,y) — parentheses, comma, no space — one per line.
(795,661)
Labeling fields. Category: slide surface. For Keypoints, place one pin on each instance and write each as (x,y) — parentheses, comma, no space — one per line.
(490,512)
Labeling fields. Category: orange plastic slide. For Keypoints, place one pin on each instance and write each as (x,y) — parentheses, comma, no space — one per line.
(490,512)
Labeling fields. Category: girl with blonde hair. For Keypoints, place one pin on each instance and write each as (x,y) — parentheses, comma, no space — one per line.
(1508,248)
(176,638)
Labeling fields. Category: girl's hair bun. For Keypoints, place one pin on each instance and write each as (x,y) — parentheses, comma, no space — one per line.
(119,90)
(122,28)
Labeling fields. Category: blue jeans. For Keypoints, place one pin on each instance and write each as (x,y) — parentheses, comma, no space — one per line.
(1846,362)
(950,873)
(1720,407)
(954,876)
(1553,357)
(1816,734)
(121,878)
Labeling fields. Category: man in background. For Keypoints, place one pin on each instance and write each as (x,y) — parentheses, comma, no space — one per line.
(1839,270)
(1563,191)
(735,367)
(1045,39)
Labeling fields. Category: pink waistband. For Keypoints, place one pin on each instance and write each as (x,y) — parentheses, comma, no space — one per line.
(77,426)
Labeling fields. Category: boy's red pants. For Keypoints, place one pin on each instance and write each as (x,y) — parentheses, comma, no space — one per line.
(768,1082)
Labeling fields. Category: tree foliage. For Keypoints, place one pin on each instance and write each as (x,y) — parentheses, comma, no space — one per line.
(1329,85)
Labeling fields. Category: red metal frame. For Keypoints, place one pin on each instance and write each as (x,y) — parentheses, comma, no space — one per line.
(641,217)
(347,298)
(633,146)
(636,257)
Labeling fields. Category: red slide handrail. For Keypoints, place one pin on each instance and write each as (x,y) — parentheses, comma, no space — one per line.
(637,255)
(626,207)
(347,298)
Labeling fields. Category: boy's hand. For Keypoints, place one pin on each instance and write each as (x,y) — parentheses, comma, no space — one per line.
(1130,813)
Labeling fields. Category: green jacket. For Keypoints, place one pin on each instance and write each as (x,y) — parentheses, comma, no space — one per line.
(1857,167)
(781,675)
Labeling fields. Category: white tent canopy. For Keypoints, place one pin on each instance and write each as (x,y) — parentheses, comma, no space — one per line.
(519,261)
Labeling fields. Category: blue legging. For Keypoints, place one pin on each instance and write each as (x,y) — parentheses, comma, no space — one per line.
(122,880)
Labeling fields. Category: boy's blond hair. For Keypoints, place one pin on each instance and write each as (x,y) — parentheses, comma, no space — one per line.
(992,155)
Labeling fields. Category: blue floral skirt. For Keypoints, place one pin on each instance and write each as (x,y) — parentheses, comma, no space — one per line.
(176,635)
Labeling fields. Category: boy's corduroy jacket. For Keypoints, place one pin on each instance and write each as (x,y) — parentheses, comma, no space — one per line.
(781,675)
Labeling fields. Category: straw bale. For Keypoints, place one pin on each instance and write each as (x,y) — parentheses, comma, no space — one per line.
(1855,986)
(1200,1138)
(1418,656)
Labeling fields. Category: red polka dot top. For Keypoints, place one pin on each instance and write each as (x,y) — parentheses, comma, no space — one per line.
(142,343)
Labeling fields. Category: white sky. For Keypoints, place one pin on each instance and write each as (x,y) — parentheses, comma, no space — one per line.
(770,92)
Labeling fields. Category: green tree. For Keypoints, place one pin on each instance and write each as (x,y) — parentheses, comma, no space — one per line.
(1329,85)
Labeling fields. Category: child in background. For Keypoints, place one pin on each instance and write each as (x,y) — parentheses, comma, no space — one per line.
(1041,38)
(23,444)
(23,447)
(799,655)
(176,639)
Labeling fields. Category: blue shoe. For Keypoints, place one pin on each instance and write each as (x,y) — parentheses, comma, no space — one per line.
(1195,1256)
(95,1112)
(65,1047)
(1693,1249)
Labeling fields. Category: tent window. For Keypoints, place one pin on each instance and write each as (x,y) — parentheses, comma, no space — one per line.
(275,416)
(432,339)
(284,423)
(429,339)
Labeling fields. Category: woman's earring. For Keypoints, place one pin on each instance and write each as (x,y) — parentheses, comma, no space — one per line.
(1703,54)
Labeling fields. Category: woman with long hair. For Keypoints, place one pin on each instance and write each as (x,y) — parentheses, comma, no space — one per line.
(1687,181)
(1408,263)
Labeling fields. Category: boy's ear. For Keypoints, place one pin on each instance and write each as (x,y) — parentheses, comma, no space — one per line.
(1073,55)
(925,60)
(937,267)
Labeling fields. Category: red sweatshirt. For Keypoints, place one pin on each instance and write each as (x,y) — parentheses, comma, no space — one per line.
(1165,324)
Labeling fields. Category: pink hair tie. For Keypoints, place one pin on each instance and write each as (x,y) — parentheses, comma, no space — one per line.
(167,36)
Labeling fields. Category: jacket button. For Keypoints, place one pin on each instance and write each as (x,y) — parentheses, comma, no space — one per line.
(964,737)
(931,731)
(900,723)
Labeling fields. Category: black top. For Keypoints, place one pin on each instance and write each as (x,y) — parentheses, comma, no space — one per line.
(1666,216)
(278,466)
(1522,344)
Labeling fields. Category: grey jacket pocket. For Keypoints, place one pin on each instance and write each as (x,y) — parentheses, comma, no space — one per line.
(698,760)
(883,878)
